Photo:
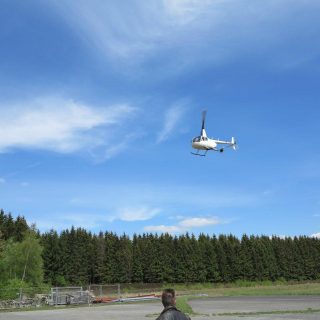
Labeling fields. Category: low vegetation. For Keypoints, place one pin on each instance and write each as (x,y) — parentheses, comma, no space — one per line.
(250,289)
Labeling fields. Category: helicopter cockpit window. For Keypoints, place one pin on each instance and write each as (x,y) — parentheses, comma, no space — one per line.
(204,139)
(197,139)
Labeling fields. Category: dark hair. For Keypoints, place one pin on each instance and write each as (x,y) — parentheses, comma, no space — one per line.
(168,297)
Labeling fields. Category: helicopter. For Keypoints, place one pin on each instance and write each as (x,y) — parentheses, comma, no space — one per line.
(202,142)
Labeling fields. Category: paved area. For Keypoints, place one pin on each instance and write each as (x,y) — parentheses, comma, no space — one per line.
(255,304)
(121,311)
(206,307)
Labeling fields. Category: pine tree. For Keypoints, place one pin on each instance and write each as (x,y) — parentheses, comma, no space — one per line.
(20,227)
(51,257)
(137,262)
(167,253)
(233,248)
(196,264)
(152,260)
(8,227)
(123,259)
(222,256)
(99,252)
(246,253)
(181,261)
(269,259)
(110,263)
(208,258)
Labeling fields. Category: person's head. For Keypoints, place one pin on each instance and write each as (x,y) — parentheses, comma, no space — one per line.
(168,298)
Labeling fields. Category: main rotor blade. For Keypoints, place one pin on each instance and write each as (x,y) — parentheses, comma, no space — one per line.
(204,113)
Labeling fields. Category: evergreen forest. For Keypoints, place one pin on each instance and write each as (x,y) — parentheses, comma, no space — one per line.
(77,257)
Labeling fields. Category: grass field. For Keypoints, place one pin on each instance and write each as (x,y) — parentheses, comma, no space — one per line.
(250,289)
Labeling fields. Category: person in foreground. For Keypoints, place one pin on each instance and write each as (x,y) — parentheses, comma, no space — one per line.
(170,312)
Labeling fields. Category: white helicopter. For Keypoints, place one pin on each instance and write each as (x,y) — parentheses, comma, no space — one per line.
(202,142)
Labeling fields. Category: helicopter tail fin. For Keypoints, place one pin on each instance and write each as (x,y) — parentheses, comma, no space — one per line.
(233,143)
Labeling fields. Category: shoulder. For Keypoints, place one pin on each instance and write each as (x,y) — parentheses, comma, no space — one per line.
(171,313)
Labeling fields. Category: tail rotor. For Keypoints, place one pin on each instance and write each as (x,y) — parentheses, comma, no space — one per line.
(233,144)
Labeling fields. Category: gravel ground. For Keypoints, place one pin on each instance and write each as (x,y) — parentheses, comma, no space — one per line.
(206,307)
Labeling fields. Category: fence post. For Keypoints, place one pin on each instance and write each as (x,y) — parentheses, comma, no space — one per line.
(89,295)
(119,292)
(20,296)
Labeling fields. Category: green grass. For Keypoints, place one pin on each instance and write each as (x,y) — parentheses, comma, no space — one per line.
(257,313)
(250,289)
(183,305)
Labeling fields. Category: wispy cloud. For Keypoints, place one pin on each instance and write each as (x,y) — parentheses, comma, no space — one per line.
(2,180)
(185,225)
(149,197)
(147,205)
(113,149)
(57,124)
(186,11)
(196,31)
(137,214)
(111,27)
(65,220)
(199,222)
(172,117)
(62,221)
(24,184)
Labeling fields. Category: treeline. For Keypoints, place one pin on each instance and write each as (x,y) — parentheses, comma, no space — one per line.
(78,257)
(11,228)
(21,262)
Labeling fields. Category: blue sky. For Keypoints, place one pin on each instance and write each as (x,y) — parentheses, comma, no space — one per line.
(99,101)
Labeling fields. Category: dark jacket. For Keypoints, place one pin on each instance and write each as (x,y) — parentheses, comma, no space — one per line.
(172,313)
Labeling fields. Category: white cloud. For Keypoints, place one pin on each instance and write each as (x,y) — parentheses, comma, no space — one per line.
(315,235)
(138,214)
(172,117)
(57,124)
(280,236)
(199,222)
(185,225)
(163,229)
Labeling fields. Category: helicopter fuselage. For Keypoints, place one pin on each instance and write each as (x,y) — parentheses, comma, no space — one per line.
(203,143)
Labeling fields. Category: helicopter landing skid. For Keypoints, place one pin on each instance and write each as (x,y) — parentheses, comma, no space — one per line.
(198,154)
